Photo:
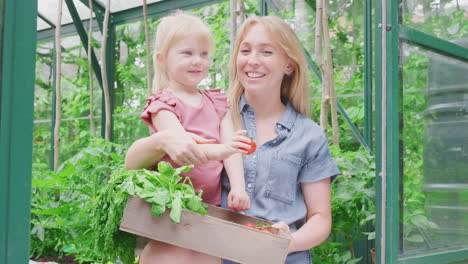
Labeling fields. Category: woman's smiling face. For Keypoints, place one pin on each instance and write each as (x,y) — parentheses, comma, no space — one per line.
(261,63)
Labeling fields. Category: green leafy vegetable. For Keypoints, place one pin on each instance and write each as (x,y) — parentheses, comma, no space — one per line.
(164,189)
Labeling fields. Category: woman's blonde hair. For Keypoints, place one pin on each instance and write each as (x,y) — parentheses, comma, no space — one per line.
(171,29)
(294,87)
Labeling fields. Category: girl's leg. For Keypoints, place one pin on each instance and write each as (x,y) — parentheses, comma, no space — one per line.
(157,252)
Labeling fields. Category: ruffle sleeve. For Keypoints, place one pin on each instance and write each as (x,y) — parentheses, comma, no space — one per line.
(219,100)
(156,103)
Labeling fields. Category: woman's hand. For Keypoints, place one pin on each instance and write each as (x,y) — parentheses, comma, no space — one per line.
(238,200)
(182,147)
(284,229)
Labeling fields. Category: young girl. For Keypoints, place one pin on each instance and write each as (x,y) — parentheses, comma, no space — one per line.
(182,58)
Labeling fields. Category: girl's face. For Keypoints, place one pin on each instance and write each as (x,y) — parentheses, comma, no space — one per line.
(261,63)
(187,63)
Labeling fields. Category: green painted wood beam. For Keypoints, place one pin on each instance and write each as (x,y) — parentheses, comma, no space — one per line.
(393,134)
(52,25)
(368,82)
(18,54)
(158,9)
(84,39)
(268,4)
(432,43)
(67,30)
(387,132)
(378,49)
(263,8)
(313,65)
(355,130)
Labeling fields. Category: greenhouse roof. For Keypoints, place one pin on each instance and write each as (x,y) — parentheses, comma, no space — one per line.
(122,12)
(48,10)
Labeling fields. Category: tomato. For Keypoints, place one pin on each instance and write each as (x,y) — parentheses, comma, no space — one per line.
(250,225)
(253,147)
(267,230)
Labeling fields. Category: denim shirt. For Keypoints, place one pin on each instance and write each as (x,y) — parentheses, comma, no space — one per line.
(274,172)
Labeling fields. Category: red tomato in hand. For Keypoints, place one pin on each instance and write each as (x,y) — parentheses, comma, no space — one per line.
(253,147)
(250,225)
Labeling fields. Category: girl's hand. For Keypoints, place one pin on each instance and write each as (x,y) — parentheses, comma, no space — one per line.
(238,200)
(182,147)
(239,143)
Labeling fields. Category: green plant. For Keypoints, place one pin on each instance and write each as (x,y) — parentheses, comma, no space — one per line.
(58,227)
(352,207)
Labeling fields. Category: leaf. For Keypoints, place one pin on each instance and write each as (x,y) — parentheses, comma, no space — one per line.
(165,169)
(157,209)
(352,261)
(184,169)
(68,248)
(39,231)
(370,235)
(195,204)
(159,196)
(176,210)
(128,187)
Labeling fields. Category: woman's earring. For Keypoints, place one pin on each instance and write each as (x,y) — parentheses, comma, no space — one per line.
(289,71)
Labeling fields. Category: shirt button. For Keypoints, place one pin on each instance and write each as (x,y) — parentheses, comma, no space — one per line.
(278,126)
(249,185)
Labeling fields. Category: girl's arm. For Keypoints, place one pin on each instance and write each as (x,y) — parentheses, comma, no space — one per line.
(318,225)
(237,198)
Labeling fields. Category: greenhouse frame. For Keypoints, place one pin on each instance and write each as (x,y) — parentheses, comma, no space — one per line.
(412,92)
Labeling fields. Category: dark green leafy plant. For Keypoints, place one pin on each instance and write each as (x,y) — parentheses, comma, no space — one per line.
(58,227)
(352,207)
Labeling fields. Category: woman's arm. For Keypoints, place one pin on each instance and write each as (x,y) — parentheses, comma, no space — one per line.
(318,225)
(172,139)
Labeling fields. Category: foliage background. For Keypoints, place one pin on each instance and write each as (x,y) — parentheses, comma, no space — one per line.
(61,226)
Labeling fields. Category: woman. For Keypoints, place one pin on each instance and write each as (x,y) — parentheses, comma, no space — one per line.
(288,177)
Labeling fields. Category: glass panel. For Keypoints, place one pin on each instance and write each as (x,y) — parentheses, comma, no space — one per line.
(49,9)
(75,125)
(446,19)
(346,24)
(434,152)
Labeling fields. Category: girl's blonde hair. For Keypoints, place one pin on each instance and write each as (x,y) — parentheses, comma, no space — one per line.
(171,29)
(294,87)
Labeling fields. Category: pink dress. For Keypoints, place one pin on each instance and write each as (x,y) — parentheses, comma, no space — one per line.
(205,121)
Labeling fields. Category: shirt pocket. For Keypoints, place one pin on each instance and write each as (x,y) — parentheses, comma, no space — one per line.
(282,177)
